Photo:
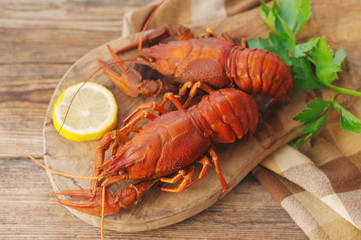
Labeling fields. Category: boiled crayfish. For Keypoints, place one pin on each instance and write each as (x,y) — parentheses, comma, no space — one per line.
(205,63)
(169,144)
(174,140)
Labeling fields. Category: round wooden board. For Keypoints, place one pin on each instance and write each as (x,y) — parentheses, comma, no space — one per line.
(158,209)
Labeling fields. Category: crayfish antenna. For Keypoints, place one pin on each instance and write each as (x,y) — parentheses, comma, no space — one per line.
(47,168)
(141,40)
(146,25)
(79,194)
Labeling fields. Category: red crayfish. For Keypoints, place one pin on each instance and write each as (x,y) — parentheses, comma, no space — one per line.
(174,140)
(169,144)
(204,63)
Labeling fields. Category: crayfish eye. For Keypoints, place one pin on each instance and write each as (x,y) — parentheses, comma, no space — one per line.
(151,59)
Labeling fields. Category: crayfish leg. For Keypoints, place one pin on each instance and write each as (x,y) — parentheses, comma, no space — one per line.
(215,160)
(193,86)
(208,34)
(176,178)
(183,185)
(206,164)
(169,96)
(146,106)
(115,137)
(187,178)
(140,116)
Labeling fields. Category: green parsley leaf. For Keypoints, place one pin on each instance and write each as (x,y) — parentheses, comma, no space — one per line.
(311,116)
(253,43)
(303,72)
(304,14)
(301,141)
(288,41)
(315,108)
(262,43)
(339,56)
(313,63)
(312,129)
(279,47)
(302,48)
(348,121)
(269,14)
(322,55)
(289,12)
(289,16)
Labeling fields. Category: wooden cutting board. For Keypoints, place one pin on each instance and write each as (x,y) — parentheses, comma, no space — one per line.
(158,209)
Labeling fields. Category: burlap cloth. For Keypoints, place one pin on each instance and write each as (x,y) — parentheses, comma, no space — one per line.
(319,186)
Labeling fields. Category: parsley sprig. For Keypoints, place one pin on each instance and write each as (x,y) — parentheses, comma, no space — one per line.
(313,62)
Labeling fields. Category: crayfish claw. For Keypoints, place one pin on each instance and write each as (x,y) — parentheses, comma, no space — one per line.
(127,81)
(113,203)
(93,206)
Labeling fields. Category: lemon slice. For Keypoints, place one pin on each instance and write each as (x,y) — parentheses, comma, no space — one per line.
(92,113)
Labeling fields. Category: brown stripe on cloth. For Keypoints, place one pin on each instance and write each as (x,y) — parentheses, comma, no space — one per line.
(355,159)
(343,174)
(275,185)
(315,218)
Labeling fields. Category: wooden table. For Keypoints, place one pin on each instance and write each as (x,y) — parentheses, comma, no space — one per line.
(39,41)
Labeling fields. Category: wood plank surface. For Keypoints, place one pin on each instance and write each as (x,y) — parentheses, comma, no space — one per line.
(29,211)
(39,41)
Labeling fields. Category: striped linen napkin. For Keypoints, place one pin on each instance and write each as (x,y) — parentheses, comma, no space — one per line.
(319,186)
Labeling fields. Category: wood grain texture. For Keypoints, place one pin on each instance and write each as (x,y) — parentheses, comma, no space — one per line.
(39,41)
(29,211)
